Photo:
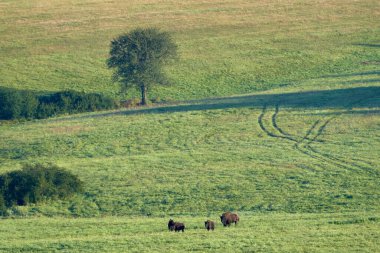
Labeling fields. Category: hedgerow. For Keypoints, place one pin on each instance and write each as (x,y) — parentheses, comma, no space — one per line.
(16,104)
(36,183)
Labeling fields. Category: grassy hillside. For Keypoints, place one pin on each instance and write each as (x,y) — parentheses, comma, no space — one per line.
(227,47)
(311,151)
(300,168)
(274,114)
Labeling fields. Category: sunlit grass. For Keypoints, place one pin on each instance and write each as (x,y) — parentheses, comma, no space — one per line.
(354,232)
(226,47)
(297,161)
(293,152)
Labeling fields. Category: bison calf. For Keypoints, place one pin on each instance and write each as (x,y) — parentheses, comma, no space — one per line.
(209,225)
(176,226)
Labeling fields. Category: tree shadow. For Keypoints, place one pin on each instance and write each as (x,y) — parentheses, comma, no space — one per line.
(361,97)
(368,45)
(375,72)
(374,80)
(362,112)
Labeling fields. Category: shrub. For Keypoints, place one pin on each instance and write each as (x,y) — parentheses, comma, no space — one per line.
(73,102)
(16,104)
(3,208)
(29,105)
(156,100)
(45,110)
(130,103)
(35,183)
(10,104)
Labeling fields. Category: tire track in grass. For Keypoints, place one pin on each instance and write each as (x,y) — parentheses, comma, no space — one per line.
(291,137)
(333,158)
(310,130)
(319,133)
(261,124)
(363,161)
(286,137)
(346,161)
(342,163)
(280,130)
(306,148)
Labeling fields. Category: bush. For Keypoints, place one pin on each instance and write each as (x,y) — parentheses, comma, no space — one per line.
(16,104)
(3,208)
(72,102)
(35,183)
(10,104)
(46,110)
(29,105)
(130,103)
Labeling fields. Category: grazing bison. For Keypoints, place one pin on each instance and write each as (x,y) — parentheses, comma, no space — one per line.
(176,226)
(228,218)
(209,225)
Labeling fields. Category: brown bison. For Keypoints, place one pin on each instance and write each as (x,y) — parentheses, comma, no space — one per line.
(176,226)
(228,218)
(209,225)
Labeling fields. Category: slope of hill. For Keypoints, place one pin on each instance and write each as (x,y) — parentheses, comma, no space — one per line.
(293,151)
(308,151)
(226,47)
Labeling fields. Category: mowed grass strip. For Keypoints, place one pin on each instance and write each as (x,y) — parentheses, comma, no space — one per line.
(350,232)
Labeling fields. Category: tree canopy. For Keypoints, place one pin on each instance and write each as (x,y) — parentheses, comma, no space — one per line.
(138,58)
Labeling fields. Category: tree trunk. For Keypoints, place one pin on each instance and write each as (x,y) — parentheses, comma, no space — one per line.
(143,95)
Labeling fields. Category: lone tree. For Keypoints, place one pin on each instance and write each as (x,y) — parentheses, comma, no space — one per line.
(138,58)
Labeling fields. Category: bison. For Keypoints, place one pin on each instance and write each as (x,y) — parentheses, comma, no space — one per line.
(209,225)
(228,218)
(176,226)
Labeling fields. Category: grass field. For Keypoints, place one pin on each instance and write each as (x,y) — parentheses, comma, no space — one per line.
(293,152)
(354,232)
(274,114)
(299,167)
(226,47)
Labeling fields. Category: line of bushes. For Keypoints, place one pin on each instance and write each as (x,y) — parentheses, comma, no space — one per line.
(15,104)
(35,183)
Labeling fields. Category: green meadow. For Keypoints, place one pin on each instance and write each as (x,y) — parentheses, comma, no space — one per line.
(273,114)
(226,47)
(353,232)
